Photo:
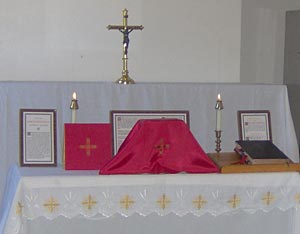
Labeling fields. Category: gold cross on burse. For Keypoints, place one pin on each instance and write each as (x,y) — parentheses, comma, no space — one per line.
(88,146)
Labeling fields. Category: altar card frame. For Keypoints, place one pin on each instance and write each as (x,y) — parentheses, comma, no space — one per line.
(38,138)
(254,125)
(123,121)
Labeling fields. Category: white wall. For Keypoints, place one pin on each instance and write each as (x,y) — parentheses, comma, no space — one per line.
(262,39)
(192,40)
(183,41)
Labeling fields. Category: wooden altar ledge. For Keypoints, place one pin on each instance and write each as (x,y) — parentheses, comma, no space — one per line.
(228,162)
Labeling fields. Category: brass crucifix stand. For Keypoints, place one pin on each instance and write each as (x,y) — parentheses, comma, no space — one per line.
(125,29)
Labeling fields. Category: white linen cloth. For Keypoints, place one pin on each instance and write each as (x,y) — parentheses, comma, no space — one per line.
(97,99)
(53,193)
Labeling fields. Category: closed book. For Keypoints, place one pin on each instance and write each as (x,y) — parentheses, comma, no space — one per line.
(87,146)
(261,152)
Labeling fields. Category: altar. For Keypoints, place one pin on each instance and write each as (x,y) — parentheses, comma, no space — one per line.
(28,188)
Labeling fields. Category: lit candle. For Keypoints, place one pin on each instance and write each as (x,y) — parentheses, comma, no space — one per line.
(219,108)
(74,107)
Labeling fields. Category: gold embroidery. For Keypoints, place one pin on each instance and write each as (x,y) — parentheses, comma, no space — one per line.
(88,147)
(163,202)
(268,198)
(126,202)
(199,202)
(51,204)
(161,147)
(297,198)
(19,208)
(89,202)
(234,201)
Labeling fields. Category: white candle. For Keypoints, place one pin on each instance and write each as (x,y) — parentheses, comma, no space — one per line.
(218,124)
(219,114)
(74,109)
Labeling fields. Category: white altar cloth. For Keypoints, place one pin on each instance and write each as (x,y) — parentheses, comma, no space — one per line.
(97,99)
(52,193)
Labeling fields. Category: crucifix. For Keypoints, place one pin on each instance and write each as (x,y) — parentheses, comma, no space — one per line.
(125,29)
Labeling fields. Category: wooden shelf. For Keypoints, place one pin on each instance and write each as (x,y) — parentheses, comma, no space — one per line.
(228,162)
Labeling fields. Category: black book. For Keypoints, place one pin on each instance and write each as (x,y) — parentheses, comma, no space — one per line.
(261,152)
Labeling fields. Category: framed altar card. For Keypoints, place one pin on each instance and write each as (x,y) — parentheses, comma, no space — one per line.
(38,138)
(254,125)
(123,121)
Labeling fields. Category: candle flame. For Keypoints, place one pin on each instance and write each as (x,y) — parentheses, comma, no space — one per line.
(74,95)
(219,97)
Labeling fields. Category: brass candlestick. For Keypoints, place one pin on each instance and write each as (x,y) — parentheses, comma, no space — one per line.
(219,107)
(74,106)
(125,29)
(218,141)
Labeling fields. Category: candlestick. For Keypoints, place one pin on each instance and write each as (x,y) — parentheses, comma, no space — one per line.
(74,106)
(219,107)
(218,141)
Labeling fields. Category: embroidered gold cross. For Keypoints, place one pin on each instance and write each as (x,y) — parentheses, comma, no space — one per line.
(163,202)
(51,204)
(297,198)
(162,146)
(19,208)
(199,202)
(268,198)
(234,201)
(89,202)
(88,147)
(126,202)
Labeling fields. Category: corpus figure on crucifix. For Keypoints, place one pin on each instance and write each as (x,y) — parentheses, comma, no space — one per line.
(125,39)
(125,29)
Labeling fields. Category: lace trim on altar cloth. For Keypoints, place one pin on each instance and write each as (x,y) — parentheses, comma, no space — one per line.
(94,203)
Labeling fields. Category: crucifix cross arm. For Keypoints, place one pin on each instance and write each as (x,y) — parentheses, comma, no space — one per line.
(121,27)
(125,26)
